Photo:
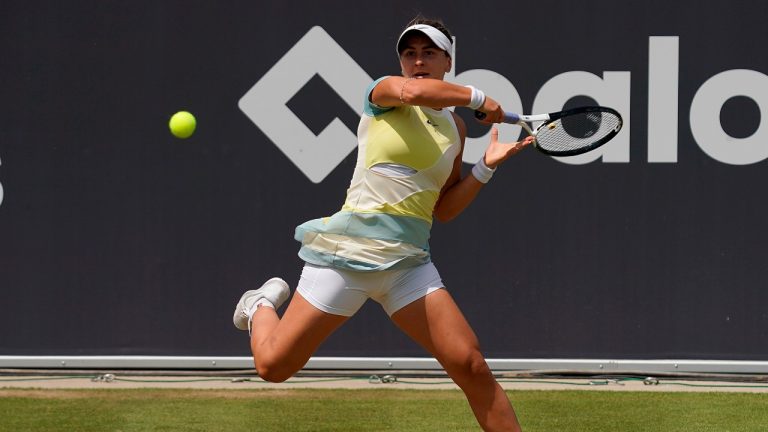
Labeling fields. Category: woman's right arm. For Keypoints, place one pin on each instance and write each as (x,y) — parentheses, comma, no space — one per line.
(396,91)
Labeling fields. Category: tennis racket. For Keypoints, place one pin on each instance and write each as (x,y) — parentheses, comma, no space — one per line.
(568,133)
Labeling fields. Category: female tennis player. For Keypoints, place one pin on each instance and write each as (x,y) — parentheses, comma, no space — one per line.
(408,171)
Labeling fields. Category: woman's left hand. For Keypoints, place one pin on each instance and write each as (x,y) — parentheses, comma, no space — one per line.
(497,152)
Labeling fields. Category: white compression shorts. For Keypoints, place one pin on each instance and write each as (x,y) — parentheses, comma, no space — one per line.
(343,292)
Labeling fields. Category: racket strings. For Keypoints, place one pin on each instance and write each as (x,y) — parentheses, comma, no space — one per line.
(576,132)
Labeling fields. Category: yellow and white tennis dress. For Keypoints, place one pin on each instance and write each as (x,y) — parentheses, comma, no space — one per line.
(405,156)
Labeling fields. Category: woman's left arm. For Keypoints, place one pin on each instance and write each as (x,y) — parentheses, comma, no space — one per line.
(458,193)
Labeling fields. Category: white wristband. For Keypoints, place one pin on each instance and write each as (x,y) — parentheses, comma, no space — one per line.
(477,99)
(482,172)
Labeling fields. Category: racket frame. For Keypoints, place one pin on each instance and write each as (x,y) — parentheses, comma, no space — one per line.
(523,120)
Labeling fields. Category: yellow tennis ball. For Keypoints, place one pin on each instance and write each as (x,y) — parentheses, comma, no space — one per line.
(182,124)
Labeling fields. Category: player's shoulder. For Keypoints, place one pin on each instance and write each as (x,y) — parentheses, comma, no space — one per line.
(370,108)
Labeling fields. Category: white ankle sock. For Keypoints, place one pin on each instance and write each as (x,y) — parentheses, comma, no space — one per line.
(259,302)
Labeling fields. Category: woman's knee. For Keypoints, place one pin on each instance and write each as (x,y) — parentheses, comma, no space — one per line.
(275,365)
(470,363)
(274,371)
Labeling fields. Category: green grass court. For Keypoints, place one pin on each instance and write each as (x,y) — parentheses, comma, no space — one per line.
(129,410)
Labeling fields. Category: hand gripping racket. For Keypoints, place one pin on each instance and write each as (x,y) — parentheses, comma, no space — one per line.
(571,132)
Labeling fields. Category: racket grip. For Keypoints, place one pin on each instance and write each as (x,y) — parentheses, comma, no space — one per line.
(508,116)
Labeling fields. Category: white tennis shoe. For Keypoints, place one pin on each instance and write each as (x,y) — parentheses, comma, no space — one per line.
(275,290)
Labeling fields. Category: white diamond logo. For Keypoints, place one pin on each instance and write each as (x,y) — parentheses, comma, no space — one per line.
(266,103)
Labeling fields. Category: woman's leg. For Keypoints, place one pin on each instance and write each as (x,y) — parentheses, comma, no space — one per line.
(281,347)
(437,324)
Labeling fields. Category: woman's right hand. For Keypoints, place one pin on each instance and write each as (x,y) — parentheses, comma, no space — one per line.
(493,111)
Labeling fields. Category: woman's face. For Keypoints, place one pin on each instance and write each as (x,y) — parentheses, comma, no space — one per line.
(422,59)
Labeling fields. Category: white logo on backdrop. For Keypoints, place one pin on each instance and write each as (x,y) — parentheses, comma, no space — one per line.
(265,103)
(318,53)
